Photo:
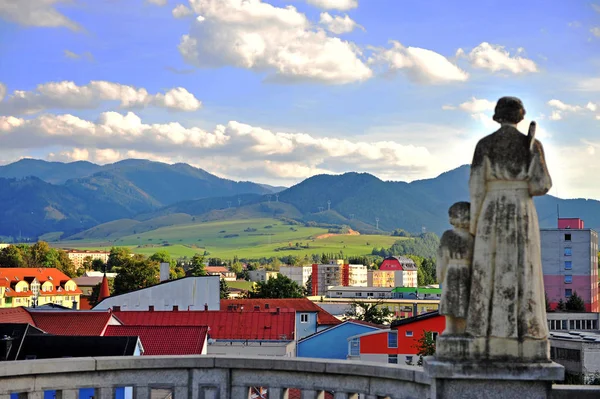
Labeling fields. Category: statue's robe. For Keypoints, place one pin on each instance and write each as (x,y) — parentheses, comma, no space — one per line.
(507,297)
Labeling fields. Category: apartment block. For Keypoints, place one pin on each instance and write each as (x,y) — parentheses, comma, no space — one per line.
(570,263)
(77,257)
(335,274)
(299,274)
(395,271)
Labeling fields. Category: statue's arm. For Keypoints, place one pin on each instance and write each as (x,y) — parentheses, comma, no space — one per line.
(540,181)
(477,186)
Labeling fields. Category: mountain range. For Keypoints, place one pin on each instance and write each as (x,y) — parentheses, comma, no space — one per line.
(39,197)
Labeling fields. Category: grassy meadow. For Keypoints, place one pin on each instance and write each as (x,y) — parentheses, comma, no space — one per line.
(249,238)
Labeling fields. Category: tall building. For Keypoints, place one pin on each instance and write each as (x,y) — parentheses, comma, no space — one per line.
(395,271)
(24,286)
(335,274)
(77,257)
(570,263)
(299,274)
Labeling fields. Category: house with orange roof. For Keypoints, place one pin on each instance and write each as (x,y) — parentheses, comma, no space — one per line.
(23,286)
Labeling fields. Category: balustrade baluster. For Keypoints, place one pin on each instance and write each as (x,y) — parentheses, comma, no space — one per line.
(312,394)
(278,393)
(345,395)
(67,394)
(240,392)
(141,392)
(35,395)
(105,393)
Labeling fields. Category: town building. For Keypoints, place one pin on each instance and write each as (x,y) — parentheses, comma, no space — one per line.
(78,256)
(579,321)
(578,352)
(429,292)
(395,271)
(86,284)
(23,286)
(396,345)
(400,308)
(165,340)
(359,292)
(298,274)
(332,343)
(335,274)
(570,263)
(188,293)
(222,272)
(261,275)
(310,318)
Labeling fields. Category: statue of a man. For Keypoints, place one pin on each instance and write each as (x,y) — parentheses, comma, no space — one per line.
(507,301)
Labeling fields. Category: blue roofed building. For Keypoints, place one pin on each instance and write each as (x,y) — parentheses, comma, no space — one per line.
(332,343)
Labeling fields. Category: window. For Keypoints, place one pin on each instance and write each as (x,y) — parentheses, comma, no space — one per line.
(358,294)
(409,359)
(304,318)
(355,347)
(409,334)
(567,237)
(434,335)
(567,251)
(393,359)
(568,292)
(568,265)
(393,339)
(568,279)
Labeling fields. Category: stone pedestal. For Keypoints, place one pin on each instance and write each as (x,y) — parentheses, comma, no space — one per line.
(488,379)
(458,347)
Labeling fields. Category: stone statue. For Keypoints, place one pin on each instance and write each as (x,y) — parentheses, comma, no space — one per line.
(506,317)
(454,268)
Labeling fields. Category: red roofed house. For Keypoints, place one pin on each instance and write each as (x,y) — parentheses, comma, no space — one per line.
(67,322)
(248,333)
(165,340)
(395,345)
(310,317)
(395,271)
(24,286)
(221,271)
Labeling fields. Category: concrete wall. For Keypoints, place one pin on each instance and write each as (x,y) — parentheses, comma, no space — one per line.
(298,274)
(253,348)
(331,343)
(190,293)
(308,327)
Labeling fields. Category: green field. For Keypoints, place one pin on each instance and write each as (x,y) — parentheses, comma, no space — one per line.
(251,238)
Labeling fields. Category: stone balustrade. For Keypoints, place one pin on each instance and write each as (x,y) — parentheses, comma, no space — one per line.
(210,377)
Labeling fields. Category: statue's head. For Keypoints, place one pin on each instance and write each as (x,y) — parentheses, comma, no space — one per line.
(509,110)
(460,214)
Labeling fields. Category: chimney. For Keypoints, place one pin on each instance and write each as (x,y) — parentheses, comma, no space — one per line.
(256,308)
(175,308)
(277,311)
(165,271)
(116,308)
(230,308)
(151,308)
(206,306)
(74,304)
(267,306)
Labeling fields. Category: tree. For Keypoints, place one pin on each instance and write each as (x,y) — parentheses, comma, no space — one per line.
(66,265)
(87,263)
(575,303)
(136,273)
(308,286)
(118,257)
(425,346)
(371,312)
(197,267)
(548,309)
(11,256)
(98,265)
(224,289)
(561,305)
(278,287)
(175,270)
(236,266)
(96,291)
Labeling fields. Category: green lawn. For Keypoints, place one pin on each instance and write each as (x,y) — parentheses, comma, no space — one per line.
(240,284)
(252,238)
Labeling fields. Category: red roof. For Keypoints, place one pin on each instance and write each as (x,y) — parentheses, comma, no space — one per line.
(222,325)
(104,290)
(72,322)
(15,315)
(216,269)
(324,318)
(164,340)
(12,275)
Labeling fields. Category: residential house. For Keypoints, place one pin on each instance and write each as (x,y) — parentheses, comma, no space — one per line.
(359,292)
(86,284)
(188,293)
(222,272)
(400,308)
(396,345)
(395,271)
(570,263)
(261,275)
(310,318)
(25,286)
(78,256)
(332,343)
(298,274)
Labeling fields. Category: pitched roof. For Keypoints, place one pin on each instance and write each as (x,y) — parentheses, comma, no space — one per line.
(87,281)
(413,319)
(222,325)
(12,275)
(104,290)
(216,269)
(72,322)
(165,340)
(374,326)
(15,315)
(48,346)
(324,318)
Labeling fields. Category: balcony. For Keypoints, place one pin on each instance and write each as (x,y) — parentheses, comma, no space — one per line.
(210,377)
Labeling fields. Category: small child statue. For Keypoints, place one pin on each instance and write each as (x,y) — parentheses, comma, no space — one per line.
(454,269)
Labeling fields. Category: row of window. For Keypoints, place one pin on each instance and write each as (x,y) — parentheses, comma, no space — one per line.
(573,324)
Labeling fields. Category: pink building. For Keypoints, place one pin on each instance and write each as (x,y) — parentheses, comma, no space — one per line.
(570,263)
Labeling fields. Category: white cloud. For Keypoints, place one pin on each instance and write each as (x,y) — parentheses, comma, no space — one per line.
(338,24)
(595,31)
(589,84)
(280,41)
(65,95)
(2,91)
(181,11)
(39,13)
(342,5)
(495,58)
(276,153)
(421,65)
(477,105)
(562,109)
(159,3)
(74,56)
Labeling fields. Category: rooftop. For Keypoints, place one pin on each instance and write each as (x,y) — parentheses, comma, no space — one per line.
(165,340)
(15,315)
(72,322)
(408,320)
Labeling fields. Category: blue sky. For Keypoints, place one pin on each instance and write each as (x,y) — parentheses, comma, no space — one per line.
(278,90)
